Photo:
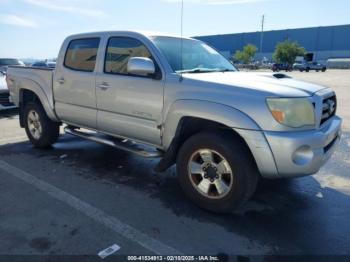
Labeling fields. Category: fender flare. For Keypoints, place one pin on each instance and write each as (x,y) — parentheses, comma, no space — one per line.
(39,92)
(222,114)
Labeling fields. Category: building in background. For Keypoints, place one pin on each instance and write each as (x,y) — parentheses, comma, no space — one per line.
(323,42)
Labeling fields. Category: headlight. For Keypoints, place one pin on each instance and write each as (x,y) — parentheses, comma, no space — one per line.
(292,112)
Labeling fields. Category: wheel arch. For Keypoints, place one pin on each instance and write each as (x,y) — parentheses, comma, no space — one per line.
(188,117)
(223,115)
(31,91)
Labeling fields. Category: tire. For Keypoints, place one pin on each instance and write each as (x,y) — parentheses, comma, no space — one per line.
(324,70)
(307,70)
(244,174)
(41,131)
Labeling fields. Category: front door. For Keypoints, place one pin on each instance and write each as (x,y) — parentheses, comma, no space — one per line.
(129,106)
(74,84)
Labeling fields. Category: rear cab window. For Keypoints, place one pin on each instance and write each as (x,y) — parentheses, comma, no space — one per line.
(81,54)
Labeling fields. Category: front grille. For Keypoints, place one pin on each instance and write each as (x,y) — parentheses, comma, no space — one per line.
(329,108)
(5,99)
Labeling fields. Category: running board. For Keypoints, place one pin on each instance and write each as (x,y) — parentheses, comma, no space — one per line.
(125,145)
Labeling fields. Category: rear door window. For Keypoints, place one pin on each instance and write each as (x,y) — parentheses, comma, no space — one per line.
(81,54)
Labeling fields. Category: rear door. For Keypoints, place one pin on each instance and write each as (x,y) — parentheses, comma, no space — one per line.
(128,105)
(74,83)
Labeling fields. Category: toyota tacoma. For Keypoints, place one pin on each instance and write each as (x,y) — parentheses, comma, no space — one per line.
(179,100)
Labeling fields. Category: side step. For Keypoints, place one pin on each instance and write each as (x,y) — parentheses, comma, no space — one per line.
(125,145)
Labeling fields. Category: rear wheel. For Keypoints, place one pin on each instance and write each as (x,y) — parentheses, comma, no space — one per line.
(324,69)
(217,172)
(41,131)
(307,69)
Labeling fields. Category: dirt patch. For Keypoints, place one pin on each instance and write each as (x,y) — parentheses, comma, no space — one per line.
(40,244)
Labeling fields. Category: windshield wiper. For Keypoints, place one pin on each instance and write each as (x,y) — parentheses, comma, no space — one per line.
(197,70)
(204,70)
(226,70)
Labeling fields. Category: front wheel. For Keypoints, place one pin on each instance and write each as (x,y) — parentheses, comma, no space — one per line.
(217,171)
(41,131)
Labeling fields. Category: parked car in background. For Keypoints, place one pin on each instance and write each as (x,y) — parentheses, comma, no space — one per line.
(4,93)
(281,67)
(44,64)
(6,62)
(298,66)
(251,66)
(51,64)
(308,66)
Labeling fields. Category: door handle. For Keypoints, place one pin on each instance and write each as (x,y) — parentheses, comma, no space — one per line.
(61,80)
(103,86)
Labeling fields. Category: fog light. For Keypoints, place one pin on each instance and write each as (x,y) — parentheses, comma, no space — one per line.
(303,155)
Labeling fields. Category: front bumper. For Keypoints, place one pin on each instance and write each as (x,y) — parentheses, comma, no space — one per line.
(304,153)
(292,154)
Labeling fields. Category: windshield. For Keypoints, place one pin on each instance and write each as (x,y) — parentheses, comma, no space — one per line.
(197,57)
(9,62)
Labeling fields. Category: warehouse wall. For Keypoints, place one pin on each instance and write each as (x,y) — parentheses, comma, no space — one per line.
(325,42)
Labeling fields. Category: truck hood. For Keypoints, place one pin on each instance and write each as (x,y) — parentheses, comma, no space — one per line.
(274,84)
(3,85)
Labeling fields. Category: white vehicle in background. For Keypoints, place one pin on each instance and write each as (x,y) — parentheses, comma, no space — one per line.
(4,93)
(5,102)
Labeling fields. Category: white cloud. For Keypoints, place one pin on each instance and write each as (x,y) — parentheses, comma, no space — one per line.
(217,2)
(64,6)
(14,20)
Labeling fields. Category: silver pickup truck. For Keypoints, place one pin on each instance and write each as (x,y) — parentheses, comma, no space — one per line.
(179,100)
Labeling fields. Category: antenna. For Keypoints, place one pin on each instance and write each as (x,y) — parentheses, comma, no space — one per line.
(181,47)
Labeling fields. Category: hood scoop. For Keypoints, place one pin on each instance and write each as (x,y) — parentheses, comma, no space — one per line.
(280,76)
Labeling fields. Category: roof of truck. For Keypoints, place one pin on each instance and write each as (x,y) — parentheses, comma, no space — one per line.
(131,32)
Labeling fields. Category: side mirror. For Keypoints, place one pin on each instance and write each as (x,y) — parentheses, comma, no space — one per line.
(141,66)
(2,72)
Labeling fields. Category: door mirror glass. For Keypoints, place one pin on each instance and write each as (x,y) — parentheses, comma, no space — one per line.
(141,66)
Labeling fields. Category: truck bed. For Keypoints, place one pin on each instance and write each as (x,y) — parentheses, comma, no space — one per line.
(30,77)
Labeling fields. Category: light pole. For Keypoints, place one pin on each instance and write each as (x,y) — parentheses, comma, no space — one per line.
(262,34)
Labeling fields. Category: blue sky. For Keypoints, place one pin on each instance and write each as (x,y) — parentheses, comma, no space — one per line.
(36,28)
